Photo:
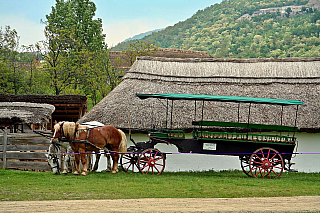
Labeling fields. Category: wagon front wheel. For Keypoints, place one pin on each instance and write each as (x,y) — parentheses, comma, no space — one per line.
(266,162)
(129,162)
(245,164)
(151,161)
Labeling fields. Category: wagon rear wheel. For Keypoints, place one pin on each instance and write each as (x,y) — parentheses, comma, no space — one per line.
(245,165)
(129,162)
(151,161)
(266,162)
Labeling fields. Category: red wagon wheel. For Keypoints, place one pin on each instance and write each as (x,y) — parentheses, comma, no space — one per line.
(266,162)
(151,161)
(129,162)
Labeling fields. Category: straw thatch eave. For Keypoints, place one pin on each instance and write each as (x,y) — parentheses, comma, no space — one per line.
(22,112)
(297,79)
(48,99)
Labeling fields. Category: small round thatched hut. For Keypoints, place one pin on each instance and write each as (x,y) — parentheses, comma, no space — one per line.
(14,113)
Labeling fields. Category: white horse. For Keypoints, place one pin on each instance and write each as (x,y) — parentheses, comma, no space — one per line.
(56,147)
(54,157)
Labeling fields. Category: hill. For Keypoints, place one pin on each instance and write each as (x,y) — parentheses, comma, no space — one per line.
(141,35)
(218,30)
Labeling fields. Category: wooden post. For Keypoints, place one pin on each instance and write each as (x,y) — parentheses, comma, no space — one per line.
(5,141)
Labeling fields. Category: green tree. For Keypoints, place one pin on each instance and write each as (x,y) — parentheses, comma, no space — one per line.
(138,48)
(102,77)
(72,34)
(10,78)
(288,11)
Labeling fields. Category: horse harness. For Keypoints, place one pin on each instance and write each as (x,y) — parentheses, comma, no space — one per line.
(86,142)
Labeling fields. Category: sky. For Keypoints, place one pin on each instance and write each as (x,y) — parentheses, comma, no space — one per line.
(121,19)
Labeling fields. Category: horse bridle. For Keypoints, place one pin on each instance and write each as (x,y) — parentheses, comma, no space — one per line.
(55,159)
(62,133)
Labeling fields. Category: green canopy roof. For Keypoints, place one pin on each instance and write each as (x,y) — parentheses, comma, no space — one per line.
(177,96)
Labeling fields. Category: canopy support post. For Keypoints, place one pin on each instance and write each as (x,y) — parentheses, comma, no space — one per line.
(239,112)
(202,116)
(248,121)
(167,115)
(295,121)
(195,109)
(171,113)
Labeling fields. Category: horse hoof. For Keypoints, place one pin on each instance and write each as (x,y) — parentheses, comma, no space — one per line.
(108,170)
(114,171)
(84,173)
(76,173)
(63,173)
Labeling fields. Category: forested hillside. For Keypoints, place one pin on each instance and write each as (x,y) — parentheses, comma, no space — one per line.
(218,31)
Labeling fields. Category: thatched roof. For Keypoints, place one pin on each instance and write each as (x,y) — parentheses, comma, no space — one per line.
(22,112)
(67,107)
(161,52)
(289,78)
(48,99)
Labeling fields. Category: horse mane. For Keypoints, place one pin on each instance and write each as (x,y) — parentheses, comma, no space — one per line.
(69,128)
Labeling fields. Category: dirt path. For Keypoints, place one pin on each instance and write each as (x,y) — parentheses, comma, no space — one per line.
(274,204)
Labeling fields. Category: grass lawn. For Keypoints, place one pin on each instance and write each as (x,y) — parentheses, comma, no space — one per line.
(23,185)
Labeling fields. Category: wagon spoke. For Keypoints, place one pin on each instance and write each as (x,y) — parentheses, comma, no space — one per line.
(269,174)
(276,167)
(264,173)
(148,170)
(156,169)
(275,162)
(126,157)
(145,166)
(159,164)
(268,154)
(126,163)
(273,156)
(274,172)
(257,157)
(260,170)
(257,162)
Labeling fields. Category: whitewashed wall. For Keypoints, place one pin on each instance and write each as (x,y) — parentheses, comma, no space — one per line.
(307,143)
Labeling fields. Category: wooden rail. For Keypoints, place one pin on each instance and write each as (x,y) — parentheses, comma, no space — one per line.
(24,151)
(243,137)
(245,125)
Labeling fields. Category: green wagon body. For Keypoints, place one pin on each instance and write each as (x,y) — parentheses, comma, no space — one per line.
(255,148)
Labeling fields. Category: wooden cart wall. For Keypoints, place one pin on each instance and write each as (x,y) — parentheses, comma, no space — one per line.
(24,151)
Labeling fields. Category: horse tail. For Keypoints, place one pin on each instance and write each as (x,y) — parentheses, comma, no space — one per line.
(123,143)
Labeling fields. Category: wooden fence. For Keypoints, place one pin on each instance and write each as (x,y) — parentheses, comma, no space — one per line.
(24,151)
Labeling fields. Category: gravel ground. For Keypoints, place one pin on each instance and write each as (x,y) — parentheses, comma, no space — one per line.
(269,204)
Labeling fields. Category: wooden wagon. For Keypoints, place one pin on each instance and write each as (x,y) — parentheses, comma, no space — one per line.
(264,150)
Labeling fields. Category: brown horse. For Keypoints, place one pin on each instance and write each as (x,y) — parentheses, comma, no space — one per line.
(106,137)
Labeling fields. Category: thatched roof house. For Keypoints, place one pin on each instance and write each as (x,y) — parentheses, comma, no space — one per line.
(289,78)
(67,107)
(22,112)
